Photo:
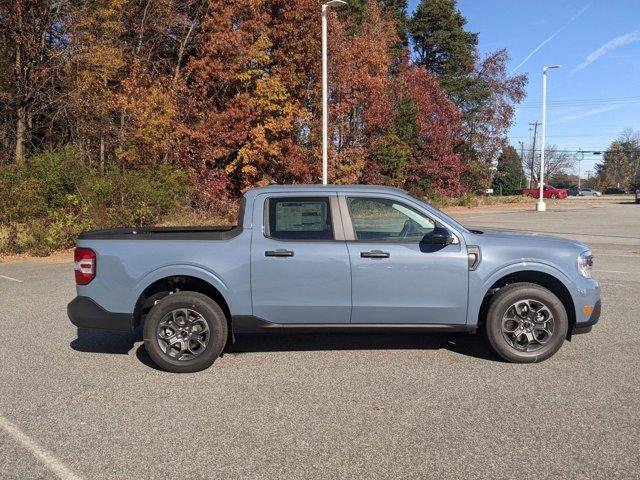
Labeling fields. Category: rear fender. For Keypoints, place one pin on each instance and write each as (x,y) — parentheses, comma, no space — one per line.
(191,271)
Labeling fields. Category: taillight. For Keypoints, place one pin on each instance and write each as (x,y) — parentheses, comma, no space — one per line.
(85,265)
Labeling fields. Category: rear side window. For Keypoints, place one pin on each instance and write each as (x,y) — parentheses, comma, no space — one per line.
(299,218)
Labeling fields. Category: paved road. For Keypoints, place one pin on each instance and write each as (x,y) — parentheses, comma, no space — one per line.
(351,407)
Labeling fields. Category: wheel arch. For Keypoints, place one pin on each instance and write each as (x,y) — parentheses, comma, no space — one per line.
(538,277)
(169,284)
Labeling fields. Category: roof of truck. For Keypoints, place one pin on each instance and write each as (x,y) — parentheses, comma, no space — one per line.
(317,187)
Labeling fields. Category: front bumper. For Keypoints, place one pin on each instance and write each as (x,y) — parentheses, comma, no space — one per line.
(85,313)
(585,327)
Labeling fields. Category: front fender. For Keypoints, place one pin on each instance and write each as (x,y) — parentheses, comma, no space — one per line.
(479,285)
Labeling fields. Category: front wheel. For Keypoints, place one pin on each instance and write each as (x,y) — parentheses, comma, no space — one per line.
(553,196)
(525,323)
(185,332)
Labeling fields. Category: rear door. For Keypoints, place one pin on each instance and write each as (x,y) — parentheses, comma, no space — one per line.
(395,277)
(300,270)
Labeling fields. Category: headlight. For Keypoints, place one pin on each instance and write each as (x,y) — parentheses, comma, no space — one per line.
(585,264)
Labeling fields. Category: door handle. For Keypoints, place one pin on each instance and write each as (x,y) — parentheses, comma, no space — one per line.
(278,253)
(375,254)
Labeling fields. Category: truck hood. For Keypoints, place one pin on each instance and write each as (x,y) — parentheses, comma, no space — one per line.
(524,239)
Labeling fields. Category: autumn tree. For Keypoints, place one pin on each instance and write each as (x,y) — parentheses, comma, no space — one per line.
(487,114)
(230,92)
(621,162)
(32,41)
(395,11)
(361,101)
(481,88)
(243,124)
(556,162)
(616,168)
(95,73)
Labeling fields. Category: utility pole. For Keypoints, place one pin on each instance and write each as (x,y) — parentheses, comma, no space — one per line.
(521,158)
(533,151)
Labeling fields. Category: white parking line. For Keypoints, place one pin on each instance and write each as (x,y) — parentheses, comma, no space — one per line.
(611,271)
(10,278)
(615,255)
(46,457)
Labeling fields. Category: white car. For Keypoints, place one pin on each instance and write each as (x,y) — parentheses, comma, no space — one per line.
(589,192)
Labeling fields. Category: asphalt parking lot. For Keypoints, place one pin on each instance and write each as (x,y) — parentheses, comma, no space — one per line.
(93,406)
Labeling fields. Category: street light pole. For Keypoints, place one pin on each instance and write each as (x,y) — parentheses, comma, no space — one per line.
(579,157)
(541,206)
(325,89)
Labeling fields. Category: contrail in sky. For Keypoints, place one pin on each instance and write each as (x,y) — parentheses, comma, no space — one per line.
(617,42)
(588,113)
(550,37)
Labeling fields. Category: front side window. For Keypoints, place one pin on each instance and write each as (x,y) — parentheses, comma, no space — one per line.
(381,219)
(299,218)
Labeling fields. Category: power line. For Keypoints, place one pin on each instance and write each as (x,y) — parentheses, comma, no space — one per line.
(592,99)
(566,135)
(594,151)
(596,125)
(583,102)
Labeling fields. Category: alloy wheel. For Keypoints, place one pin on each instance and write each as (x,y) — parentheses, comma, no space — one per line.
(528,325)
(183,334)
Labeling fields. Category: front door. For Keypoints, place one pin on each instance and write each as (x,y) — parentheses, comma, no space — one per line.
(299,260)
(396,278)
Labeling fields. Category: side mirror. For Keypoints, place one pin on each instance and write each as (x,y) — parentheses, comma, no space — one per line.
(438,236)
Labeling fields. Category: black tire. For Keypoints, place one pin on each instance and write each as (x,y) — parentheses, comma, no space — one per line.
(503,300)
(210,312)
(553,196)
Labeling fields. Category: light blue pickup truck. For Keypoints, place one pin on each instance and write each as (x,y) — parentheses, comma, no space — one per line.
(310,258)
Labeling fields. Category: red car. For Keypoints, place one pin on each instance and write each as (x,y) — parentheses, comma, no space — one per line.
(549,192)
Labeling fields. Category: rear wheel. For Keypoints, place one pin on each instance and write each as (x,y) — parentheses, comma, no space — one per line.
(553,196)
(525,323)
(185,332)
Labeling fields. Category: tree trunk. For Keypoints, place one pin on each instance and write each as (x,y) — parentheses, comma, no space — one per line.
(102,154)
(21,132)
(183,46)
(21,112)
(142,24)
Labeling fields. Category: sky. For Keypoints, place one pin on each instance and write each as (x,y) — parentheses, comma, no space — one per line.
(596,93)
